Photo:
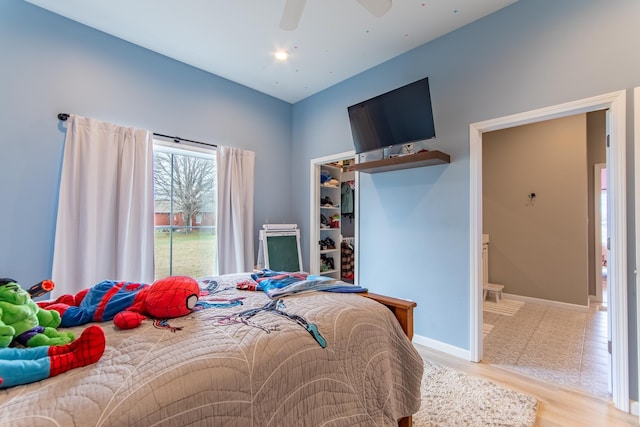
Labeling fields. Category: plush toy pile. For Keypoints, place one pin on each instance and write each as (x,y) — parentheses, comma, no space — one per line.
(38,350)
(48,352)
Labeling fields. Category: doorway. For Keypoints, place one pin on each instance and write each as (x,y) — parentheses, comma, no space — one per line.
(615,103)
(538,188)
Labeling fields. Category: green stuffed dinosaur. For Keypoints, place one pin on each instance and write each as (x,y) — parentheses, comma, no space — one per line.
(23,322)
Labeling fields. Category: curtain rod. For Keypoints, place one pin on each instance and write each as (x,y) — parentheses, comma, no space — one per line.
(176,139)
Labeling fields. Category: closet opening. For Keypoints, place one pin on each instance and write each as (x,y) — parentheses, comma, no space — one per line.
(333,217)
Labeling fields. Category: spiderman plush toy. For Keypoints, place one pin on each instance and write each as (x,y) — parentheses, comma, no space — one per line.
(127,303)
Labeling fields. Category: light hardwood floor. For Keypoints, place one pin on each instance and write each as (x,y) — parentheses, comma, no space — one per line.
(559,405)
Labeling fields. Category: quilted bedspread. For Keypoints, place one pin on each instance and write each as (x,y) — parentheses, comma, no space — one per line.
(236,364)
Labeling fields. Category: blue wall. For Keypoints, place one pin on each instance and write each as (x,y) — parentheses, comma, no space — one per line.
(414,229)
(51,64)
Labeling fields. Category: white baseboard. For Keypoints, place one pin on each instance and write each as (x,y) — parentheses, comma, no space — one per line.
(547,302)
(442,347)
(635,407)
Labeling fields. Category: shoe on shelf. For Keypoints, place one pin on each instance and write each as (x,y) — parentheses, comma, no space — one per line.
(327,243)
(326,202)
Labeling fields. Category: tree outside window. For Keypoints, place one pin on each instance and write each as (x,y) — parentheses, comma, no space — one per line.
(185,212)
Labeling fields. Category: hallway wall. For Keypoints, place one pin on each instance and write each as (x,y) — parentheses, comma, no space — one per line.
(538,248)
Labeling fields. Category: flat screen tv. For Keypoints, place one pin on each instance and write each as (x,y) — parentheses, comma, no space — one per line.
(400,116)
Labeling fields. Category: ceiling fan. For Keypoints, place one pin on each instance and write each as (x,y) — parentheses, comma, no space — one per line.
(293,11)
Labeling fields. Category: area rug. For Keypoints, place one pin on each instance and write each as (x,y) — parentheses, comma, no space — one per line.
(506,307)
(453,398)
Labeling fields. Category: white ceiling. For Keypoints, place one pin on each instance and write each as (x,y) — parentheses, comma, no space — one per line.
(236,39)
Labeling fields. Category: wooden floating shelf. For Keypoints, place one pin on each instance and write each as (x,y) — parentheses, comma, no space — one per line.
(426,158)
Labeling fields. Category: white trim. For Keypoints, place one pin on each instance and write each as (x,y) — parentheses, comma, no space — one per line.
(636,162)
(617,262)
(475,256)
(314,227)
(314,221)
(441,346)
(615,102)
(548,303)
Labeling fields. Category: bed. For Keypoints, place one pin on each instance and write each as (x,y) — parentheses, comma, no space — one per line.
(241,359)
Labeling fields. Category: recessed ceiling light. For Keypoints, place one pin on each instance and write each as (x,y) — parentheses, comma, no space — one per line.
(282,55)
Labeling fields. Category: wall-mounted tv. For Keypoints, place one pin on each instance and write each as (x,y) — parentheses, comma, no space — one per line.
(396,117)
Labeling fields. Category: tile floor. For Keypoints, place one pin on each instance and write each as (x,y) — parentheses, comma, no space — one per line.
(564,346)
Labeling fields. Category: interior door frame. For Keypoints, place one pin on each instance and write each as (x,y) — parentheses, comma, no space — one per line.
(597,227)
(636,147)
(615,104)
(314,208)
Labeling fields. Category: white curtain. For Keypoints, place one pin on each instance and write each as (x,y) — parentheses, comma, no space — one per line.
(104,229)
(235,209)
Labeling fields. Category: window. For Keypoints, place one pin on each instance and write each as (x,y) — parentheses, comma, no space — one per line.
(185,211)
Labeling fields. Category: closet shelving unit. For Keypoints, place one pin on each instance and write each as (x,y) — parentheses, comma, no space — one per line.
(333,230)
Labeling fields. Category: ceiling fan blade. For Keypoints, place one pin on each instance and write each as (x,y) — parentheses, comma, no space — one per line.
(377,8)
(291,14)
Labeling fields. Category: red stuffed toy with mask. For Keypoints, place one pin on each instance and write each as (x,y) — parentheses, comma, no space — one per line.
(127,303)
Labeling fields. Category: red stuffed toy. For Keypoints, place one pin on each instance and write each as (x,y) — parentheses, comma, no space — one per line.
(127,303)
